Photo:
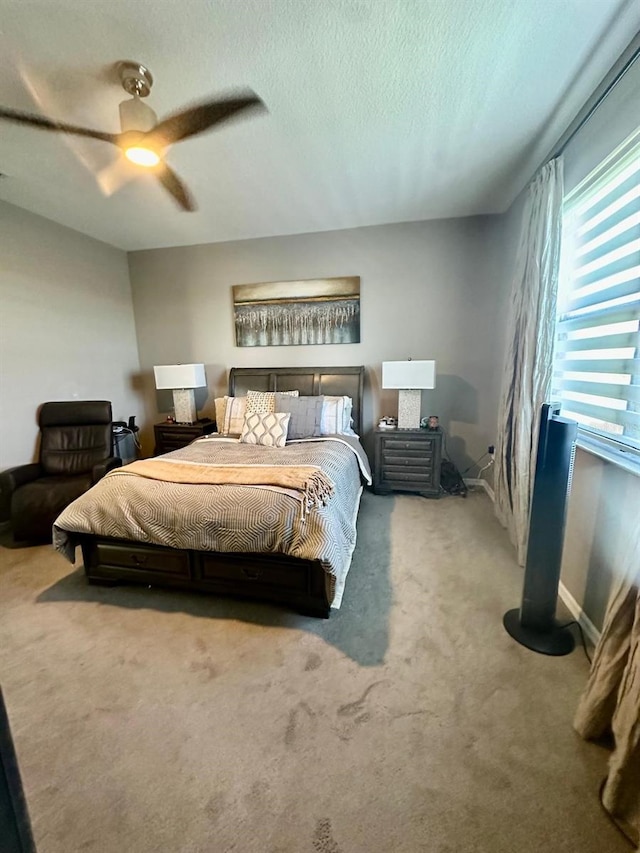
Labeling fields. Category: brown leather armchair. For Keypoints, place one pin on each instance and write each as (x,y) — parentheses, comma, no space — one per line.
(76,450)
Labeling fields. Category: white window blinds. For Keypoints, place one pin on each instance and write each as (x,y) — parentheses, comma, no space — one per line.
(597,356)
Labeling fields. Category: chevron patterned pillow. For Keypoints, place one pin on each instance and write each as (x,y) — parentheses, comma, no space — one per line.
(269,430)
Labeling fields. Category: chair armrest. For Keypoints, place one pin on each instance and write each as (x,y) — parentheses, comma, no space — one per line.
(101,468)
(12,479)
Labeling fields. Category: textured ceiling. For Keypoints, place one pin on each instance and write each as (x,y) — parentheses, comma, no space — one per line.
(379,110)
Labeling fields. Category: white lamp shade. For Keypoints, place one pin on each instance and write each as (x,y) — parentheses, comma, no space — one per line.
(408,374)
(179,376)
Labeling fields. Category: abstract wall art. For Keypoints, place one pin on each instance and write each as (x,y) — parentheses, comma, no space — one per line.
(294,313)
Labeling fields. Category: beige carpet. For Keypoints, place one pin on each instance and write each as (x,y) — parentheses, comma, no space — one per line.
(147,720)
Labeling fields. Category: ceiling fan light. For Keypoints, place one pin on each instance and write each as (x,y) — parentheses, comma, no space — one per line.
(142,156)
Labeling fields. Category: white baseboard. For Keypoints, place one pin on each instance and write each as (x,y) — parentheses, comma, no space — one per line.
(483,484)
(590,630)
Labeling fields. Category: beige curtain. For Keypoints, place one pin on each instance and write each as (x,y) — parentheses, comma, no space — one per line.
(526,379)
(610,704)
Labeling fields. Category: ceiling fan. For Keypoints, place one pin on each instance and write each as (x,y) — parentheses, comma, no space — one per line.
(143,139)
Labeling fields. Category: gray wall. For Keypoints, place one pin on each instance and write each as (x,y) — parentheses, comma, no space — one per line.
(603,508)
(66,326)
(428,290)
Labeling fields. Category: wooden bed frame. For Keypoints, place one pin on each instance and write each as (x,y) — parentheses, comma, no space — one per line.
(304,585)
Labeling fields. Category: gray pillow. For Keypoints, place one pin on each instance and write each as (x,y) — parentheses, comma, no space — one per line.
(306,414)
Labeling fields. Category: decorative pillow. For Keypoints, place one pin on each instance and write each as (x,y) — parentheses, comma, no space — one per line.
(230,412)
(336,416)
(269,430)
(264,402)
(306,414)
(234,415)
(221,404)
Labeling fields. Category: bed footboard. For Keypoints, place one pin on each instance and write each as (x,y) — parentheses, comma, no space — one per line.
(299,584)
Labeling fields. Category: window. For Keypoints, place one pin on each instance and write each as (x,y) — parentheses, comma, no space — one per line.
(596,374)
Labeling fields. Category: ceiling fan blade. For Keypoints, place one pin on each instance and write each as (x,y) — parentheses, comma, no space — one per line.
(199,118)
(172,183)
(60,126)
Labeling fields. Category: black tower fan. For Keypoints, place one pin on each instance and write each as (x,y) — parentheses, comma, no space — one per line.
(534,624)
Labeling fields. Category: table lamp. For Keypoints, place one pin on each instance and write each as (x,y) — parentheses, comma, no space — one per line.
(409,377)
(181,379)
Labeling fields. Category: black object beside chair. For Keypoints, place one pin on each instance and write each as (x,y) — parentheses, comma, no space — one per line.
(76,450)
(16,835)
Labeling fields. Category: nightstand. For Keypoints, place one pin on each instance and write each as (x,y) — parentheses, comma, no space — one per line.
(408,460)
(171,436)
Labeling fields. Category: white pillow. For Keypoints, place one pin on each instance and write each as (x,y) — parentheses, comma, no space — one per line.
(269,430)
(230,412)
(221,404)
(336,416)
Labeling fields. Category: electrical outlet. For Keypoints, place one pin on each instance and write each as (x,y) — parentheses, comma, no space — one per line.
(491,449)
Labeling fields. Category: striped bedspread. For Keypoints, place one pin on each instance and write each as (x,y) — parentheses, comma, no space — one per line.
(229,517)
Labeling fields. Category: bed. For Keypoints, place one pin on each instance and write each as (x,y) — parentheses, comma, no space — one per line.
(305,571)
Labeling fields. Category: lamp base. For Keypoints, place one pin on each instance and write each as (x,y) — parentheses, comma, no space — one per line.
(409,401)
(184,405)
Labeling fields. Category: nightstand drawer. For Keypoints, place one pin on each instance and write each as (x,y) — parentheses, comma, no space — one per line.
(178,433)
(406,457)
(173,442)
(417,445)
(170,436)
(407,475)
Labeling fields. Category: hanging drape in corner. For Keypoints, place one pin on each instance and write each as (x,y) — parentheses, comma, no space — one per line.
(526,379)
(610,703)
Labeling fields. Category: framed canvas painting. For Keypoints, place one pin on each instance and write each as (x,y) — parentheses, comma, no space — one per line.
(295,313)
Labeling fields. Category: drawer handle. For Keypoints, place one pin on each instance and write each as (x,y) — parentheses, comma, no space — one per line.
(251,574)
(138,560)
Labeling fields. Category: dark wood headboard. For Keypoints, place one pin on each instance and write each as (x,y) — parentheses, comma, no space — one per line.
(309,381)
